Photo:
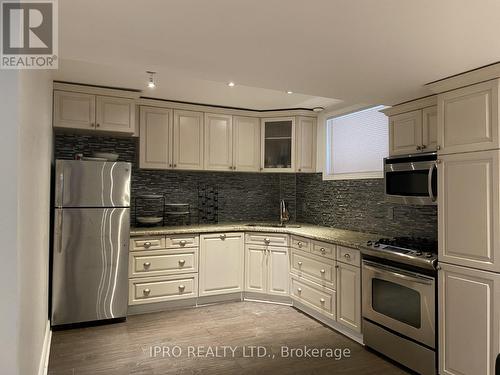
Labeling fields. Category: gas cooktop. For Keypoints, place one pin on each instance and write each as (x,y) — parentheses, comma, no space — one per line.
(414,251)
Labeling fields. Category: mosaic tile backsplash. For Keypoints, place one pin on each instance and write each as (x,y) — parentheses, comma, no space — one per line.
(352,204)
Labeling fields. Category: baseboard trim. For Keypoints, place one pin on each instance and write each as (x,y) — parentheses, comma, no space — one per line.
(267,298)
(43,367)
(355,336)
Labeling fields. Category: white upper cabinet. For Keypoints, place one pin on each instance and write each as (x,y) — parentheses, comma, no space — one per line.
(188,140)
(306,144)
(405,133)
(429,129)
(221,263)
(278,144)
(93,112)
(468,209)
(468,118)
(218,142)
(246,144)
(74,110)
(115,114)
(469,324)
(155,149)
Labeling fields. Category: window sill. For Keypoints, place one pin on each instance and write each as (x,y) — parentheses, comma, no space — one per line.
(353,176)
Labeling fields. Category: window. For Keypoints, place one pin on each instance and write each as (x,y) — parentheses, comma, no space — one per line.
(357,143)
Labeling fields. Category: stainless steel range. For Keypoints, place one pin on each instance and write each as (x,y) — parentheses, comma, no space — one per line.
(399,300)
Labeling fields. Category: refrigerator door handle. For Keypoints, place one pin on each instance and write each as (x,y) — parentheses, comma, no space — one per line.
(60,189)
(58,231)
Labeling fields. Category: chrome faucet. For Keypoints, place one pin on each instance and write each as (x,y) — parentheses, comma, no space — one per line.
(284,215)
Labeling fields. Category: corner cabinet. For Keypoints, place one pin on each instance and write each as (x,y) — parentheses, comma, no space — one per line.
(188,140)
(155,145)
(469,324)
(75,110)
(306,144)
(278,144)
(221,263)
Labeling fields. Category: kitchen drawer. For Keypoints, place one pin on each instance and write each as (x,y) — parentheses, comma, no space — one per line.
(180,241)
(323,249)
(318,269)
(349,256)
(162,288)
(267,239)
(301,243)
(319,298)
(147,243)
(163,262)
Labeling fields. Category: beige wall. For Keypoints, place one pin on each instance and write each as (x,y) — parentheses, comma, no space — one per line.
(34,163)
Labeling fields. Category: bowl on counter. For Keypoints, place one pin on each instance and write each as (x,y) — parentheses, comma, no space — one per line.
(149,220)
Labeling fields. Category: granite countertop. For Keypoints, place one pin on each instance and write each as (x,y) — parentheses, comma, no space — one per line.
(316,232)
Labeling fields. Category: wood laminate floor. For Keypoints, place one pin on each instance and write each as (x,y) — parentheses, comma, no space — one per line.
(197,338)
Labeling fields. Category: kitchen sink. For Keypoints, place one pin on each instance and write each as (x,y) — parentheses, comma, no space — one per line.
(273,225)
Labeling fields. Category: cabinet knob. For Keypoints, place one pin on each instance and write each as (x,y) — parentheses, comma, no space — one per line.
(146,292)
(299,263)
(438,147)
(438,161)
(91,124)
(322,300)
(230,167)
(300,169)
(419,148)
(222,236)
(299,244)
(322,270)
(182,287)
(175,165)
(267,240)
(147,244)
(423,147)
(182,262)
(170,165)
(336,266)
(347,256)
(438,267)
(97,125)
(147,265)
(182,242)
(299,290)
(234,168)
(261,169)
(323,250)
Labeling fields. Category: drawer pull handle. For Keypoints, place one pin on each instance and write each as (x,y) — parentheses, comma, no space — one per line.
(323,250)
(147,265)
(299,244)
(146,292)
(322,300)
(182,287)
(322,270)
(222,236)
(299,290)
(182,242)
(147,245)
(299,263)
(181,262)
(267,240)
(347,256)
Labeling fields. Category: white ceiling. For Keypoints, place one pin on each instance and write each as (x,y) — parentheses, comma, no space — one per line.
(377,52)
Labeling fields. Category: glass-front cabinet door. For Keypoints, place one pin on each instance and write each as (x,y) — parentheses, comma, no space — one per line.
(278,151)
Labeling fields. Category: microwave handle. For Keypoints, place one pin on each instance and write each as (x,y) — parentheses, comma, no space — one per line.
(429,182)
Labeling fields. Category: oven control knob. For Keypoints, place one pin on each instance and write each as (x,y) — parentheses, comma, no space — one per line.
(418,253)
(376,244)
(428,255)
(369,243)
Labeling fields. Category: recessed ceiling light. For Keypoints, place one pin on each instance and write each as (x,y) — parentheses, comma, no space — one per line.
(230,84)
(151,80)
(318,109)
(289,92)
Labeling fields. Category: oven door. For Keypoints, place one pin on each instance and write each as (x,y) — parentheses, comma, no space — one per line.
(410,180)
(400,300)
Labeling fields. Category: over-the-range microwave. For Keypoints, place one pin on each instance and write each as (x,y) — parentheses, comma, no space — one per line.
(411,179)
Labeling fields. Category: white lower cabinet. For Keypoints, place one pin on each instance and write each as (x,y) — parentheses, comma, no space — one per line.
(221,263)
(317,297)
(349,296)
(266,269)
(469,318)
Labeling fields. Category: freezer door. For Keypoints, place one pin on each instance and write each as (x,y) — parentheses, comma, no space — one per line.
(90,260)
(92,184)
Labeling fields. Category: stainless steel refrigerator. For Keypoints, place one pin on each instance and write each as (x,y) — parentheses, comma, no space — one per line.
(91,236)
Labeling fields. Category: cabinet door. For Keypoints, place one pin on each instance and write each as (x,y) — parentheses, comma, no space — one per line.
(246,144)
(115,114)
(306,144)
(469,320)
(349,296)
(468,206)
(221,263)
(429,128)
(405,133)
(188,140)
(255,268)
(155,149)
(74,110)
(278,144)
(218,142)
(468,118)
(278,276)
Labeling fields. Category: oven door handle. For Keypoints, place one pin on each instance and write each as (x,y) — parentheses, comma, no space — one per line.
(399,274)
(429,182)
